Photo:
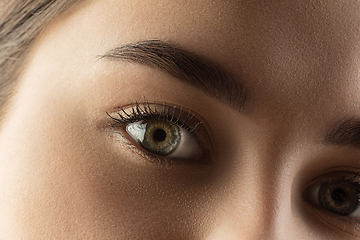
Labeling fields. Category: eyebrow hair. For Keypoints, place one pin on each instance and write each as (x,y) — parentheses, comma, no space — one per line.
(185,66)
(345,133)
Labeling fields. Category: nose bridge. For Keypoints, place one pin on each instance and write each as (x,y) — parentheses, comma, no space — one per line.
(260,183)
(258,205)
(274,205)
(249,219)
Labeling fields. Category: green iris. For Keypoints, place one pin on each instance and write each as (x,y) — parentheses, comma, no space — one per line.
(156,136)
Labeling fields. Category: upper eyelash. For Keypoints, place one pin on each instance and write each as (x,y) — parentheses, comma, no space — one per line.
(350,181)
(143,111)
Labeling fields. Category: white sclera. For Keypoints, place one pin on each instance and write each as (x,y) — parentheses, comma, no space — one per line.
(188,148)
(356,213)
(136,130)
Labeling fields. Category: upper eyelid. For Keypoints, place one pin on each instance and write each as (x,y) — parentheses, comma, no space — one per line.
(136,111)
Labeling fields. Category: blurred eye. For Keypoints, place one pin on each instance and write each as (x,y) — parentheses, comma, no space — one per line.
(163,138)
(339,197)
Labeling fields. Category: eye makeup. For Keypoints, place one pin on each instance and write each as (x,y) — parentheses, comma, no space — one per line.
(164,132)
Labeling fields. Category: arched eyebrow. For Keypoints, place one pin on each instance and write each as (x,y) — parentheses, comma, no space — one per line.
(344,133)
(185,66)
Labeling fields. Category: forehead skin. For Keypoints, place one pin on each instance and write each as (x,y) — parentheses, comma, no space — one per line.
(299,61)
(296,49)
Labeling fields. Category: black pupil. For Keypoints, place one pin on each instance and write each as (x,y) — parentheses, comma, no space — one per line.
(339,196)
(159,135)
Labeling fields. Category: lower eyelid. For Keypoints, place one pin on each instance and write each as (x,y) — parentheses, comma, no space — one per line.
(332,225)
(335,225)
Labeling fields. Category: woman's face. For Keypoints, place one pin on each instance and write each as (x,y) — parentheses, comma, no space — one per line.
(274,86)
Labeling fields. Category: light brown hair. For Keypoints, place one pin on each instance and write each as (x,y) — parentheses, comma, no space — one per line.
(21,22)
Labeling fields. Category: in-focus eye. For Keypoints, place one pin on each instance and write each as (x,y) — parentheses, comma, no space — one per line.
(340,197)
(163,131)
(165,139)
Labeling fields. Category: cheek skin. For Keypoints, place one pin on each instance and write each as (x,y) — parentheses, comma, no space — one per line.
(64,178)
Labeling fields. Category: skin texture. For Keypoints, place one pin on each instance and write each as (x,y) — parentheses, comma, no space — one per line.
(65,174)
